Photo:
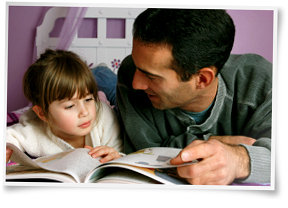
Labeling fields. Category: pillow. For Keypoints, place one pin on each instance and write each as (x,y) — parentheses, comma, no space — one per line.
(13,117)
(106,81)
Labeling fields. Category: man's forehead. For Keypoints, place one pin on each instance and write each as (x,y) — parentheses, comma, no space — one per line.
(159,53)
(152,44)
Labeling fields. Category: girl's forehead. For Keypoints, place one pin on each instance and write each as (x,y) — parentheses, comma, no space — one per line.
(77,95)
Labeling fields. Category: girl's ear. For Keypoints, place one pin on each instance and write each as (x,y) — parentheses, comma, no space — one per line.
(39,112)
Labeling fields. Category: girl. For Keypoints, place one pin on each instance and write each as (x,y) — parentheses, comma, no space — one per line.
(66,112)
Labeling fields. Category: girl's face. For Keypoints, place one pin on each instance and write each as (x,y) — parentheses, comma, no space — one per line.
(72,119)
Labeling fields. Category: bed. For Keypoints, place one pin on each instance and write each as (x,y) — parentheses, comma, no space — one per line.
(103,46)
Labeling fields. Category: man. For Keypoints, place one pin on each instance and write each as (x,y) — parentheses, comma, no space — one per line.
(182,88)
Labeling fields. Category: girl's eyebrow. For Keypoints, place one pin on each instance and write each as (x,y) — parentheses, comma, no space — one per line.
(76,98)
(64,100)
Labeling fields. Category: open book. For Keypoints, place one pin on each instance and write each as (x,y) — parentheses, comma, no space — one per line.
(151,165)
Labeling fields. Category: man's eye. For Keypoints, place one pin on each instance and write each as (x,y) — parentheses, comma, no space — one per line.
(150,77)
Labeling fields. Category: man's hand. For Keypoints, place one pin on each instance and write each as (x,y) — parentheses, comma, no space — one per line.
(219,163)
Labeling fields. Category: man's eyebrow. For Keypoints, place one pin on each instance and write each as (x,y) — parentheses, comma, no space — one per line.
(147,73)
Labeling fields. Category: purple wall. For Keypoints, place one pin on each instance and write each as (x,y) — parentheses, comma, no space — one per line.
(254,34)
(22,23)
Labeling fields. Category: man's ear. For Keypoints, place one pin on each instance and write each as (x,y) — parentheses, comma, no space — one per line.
(39,112)
(205,77)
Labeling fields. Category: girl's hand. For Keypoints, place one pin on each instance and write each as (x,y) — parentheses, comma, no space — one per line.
(107,153)
(8,154)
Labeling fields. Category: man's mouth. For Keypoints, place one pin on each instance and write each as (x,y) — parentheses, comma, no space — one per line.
(150,93)
(152,97)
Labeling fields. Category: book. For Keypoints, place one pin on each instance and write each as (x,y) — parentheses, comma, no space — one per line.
(150,165)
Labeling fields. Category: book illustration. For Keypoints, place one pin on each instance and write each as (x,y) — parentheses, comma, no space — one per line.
(147,151)
(160,158)
(163,158)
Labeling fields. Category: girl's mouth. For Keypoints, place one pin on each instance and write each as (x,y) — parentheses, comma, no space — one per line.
(85,125)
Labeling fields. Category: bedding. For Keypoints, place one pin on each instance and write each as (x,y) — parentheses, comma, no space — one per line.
(13,116)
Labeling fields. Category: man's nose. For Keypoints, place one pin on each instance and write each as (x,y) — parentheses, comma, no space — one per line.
(140,81)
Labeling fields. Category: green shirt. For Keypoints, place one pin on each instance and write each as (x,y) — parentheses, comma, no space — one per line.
(243,106)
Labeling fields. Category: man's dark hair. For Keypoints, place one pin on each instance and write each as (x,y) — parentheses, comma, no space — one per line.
(199,37)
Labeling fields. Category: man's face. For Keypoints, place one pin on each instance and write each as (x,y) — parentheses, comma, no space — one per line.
(154,75)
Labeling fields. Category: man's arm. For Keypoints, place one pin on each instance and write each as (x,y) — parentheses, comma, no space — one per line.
(234,139)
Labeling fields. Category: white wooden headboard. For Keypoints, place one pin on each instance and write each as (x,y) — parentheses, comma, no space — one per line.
(93,50)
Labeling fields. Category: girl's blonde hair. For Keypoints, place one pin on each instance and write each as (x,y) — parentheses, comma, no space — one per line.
(58,75)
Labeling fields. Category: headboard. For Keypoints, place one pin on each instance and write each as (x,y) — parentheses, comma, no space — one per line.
(96,50)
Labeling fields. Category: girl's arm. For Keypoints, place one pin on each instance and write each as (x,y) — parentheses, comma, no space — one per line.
(8,154)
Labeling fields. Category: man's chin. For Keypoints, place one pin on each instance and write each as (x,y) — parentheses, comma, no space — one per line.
(157,102)
(159,106)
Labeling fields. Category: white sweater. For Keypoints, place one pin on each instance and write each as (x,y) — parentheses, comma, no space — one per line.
(33,136)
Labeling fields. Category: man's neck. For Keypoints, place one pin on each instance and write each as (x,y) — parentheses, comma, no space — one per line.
(205,98)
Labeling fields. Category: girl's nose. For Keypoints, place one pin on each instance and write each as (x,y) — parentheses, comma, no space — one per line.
(83,111)
(140,81)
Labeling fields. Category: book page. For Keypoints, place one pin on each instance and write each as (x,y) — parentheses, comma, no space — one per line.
(154,157)
(125,176)
(21,158)
(76,162)
(158,175)
(39,175)
(148,162)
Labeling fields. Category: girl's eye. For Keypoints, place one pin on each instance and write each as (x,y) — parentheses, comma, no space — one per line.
(69,107)
(89,99)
